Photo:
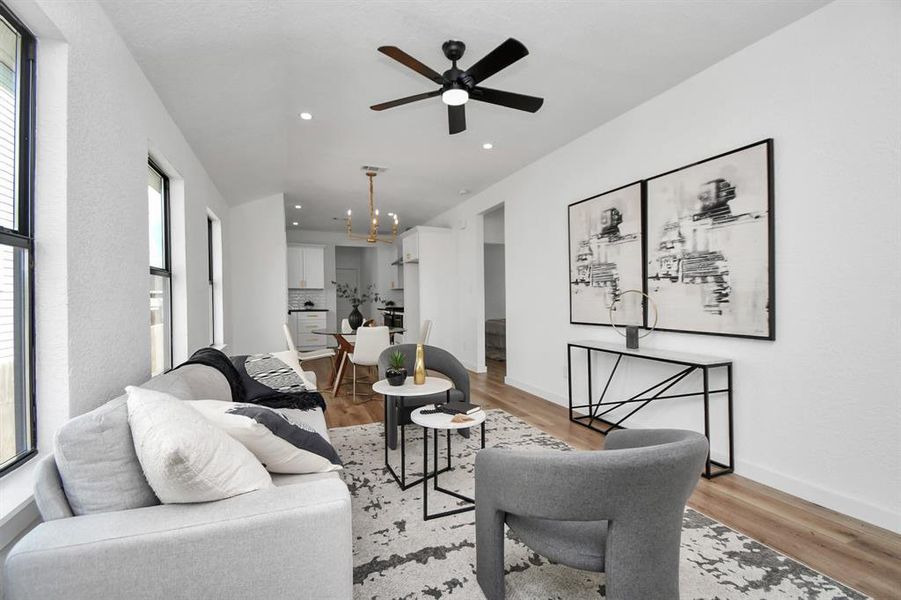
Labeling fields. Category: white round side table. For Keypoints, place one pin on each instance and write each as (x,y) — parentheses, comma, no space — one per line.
(432,385)
(427,419)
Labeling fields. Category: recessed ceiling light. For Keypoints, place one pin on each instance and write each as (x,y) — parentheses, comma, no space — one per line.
(463,192)
(487,146)
(306,116)
(295,223)
(297,206)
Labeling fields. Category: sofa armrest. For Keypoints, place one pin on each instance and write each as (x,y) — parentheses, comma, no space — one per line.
(282,542)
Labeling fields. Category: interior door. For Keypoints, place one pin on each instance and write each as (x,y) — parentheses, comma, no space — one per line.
(352,278)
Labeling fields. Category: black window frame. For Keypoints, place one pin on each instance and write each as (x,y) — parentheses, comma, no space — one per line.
(166,271)
(22,236)
(212,278)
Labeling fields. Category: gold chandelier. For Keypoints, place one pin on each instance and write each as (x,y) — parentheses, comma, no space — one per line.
(373,236)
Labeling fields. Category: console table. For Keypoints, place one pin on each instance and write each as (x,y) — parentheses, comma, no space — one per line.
(687,363)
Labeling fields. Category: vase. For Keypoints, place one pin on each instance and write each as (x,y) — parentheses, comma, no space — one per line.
(355,318)
(419,368)
(396,377)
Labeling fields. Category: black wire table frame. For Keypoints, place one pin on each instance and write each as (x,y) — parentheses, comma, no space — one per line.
(598,409)
(397,403)
(435,472)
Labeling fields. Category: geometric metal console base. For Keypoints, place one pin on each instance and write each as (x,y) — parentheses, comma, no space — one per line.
(687,363)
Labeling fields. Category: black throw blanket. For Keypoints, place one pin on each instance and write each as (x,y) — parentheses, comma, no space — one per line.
(245,388)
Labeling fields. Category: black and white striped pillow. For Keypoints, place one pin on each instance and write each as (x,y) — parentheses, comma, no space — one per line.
(281,445)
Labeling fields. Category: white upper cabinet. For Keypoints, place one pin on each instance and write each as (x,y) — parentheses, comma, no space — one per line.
(306,267)
(314,267)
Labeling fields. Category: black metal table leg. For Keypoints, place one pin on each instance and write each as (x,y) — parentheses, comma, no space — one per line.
(434,475)
(707,471)
(402,479)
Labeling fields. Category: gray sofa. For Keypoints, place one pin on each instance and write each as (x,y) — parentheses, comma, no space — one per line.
(289,541)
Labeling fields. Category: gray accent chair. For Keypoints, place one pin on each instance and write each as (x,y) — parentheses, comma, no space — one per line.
(436,359)
(617,511)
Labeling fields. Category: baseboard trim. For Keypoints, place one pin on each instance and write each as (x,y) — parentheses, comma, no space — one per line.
(841,503)
(474,367)
(536,391)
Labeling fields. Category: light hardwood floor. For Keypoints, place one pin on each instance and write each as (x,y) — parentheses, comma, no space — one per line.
(855,553)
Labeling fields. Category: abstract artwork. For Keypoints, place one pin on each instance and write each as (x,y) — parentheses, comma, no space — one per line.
(605,257)
(709,260)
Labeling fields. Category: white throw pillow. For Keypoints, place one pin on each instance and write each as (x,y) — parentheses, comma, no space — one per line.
(184,457)
(282,445)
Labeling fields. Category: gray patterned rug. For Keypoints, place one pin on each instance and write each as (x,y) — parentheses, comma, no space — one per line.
(398,555)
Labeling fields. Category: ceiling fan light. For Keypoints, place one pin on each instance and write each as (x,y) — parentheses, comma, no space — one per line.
(455,96)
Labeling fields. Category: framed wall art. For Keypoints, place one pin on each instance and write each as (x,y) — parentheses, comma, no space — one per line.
(709,245)
(605,257)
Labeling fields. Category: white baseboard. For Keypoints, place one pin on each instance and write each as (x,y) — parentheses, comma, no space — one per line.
(833,500)
(474,367)
(841,503)
(536,391)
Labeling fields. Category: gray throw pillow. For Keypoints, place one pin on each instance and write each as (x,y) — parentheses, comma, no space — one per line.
(97,463)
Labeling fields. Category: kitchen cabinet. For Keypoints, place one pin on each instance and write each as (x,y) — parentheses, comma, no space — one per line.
(304,323)
(306,267)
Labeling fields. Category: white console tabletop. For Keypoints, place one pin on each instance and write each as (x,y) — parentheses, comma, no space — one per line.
(653,353)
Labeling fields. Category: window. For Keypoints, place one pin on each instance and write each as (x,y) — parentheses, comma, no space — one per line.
(160,272)
(211,279)
(17,411)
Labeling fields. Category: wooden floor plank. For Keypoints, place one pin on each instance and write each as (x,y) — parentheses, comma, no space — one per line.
(855,553)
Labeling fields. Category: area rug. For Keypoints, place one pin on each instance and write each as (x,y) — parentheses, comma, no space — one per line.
(397,555)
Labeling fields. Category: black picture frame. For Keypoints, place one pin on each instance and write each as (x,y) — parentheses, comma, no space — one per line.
(770,319)
(638,268)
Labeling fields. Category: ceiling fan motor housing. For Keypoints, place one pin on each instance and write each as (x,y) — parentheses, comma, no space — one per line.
(453,49)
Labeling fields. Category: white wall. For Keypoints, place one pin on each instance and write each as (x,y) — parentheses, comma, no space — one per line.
(816,411)
(493,225)
(258,258)
(98,119)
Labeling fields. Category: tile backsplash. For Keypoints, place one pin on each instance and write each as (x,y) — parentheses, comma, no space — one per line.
(296,298)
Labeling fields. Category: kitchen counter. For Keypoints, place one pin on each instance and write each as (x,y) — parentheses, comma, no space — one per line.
(294,310)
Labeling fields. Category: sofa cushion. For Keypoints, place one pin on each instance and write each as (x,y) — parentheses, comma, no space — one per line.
(97,463)
(185,457)
(192,382)
(281,445)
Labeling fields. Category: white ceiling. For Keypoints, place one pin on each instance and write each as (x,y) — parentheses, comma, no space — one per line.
(235,76)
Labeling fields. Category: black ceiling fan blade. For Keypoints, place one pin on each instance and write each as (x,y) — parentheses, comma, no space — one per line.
(456,118)
(407,100)
(410,62)
(500,58)
(508,99)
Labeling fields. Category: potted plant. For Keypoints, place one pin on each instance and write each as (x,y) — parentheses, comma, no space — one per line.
(396,373)
(351,293)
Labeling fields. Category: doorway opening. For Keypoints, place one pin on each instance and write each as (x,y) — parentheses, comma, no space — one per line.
(495,292)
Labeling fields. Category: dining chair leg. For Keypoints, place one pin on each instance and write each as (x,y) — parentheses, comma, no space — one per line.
(340,374)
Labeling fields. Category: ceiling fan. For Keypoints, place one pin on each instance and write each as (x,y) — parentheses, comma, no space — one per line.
(457,86)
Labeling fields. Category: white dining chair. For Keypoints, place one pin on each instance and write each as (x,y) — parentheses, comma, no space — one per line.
(369,345)
(311,355)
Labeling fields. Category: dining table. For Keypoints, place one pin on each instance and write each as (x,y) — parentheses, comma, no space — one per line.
(345,347)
